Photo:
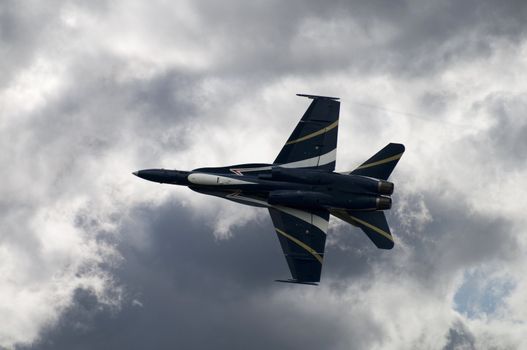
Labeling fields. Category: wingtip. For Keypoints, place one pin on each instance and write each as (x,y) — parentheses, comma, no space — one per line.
(297,282)
(318,96)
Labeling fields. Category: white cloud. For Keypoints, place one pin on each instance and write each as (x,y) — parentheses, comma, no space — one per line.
(79,114)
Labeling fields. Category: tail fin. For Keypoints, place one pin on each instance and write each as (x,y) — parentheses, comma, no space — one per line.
(373,223)
(381,165)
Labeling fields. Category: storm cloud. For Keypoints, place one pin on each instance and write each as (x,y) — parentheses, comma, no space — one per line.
(92,257)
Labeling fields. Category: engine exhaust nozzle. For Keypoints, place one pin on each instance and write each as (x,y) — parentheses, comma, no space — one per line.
(385,187)
(384,203)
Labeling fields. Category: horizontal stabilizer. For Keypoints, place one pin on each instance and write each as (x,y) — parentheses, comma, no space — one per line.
(373,223)
(381,165)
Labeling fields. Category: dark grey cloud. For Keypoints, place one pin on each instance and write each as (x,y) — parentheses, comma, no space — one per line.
(459,337)
(96,112)
(415,39)
(184,288)
(454,240)
(258,39)
(21,26)
(193,291)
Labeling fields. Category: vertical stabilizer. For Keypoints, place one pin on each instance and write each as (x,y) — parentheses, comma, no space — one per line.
(381,165)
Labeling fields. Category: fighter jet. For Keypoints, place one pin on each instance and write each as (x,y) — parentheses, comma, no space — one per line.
(300,189)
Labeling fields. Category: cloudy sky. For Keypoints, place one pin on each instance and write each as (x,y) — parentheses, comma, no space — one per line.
(92,257)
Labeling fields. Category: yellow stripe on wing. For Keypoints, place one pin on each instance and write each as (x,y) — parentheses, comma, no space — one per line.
(374,228)
(316,133)
(382,161)
(301,244)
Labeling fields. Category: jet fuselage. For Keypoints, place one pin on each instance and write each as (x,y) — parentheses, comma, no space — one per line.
(265,185)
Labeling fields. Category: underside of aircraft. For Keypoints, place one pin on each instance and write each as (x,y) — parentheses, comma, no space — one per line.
(301,190)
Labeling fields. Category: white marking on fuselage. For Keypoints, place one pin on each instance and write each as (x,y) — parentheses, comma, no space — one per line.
(215,180)
(315,161)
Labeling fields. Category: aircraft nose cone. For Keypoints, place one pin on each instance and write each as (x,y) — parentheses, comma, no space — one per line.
(156,175)
(175,177)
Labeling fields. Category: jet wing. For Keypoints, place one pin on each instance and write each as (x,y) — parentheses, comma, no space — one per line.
(302,235)
(313,143)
